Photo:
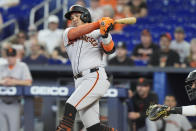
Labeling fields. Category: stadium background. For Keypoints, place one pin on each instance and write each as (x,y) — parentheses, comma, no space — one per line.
(163,16)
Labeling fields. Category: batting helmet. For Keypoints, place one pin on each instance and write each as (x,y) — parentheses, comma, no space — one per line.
(191,78)
(85,14)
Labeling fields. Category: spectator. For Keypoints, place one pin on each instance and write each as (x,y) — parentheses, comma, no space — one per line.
(145,49)
(52,36)
(95,10)
(14,73)
(191,60)
(121,11)
(108,11)
(19,43)
(121,56)
(81,2)
(181,46)
(4,46)
(126,11)
(139,103)
(21,38)
(113,3)
(43,51)
(33,39)
(138,8)
(60,54)
(165,56)
(174,122)
(36,57)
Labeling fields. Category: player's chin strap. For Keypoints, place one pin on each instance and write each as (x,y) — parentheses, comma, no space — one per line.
(100,127)
(68,119)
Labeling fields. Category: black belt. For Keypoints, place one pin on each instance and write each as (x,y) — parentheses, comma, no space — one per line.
(81,75)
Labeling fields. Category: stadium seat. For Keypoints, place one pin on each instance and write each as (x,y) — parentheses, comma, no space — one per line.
(163,16)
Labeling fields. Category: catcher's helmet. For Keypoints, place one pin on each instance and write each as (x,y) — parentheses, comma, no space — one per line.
(85,14)
(191,78)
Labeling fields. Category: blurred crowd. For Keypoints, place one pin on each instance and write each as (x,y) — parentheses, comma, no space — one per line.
(46,46)
(39,47)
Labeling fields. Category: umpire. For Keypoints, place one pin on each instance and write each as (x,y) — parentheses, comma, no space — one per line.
(14,73)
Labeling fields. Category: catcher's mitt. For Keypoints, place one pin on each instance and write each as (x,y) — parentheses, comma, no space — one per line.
(155,112)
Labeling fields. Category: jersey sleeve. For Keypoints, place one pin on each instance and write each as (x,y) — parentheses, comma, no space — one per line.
(26,73)
(65,36)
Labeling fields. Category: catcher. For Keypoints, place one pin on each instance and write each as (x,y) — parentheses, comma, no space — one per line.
(85,43)
(156,112)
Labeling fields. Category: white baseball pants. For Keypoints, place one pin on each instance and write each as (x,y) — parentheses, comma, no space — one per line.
(89,89)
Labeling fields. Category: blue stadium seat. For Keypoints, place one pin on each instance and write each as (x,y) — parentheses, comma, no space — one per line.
(119,37)
(163,16)
(140,63)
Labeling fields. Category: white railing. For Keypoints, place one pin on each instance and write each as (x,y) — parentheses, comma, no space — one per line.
(59,6)
(8,23)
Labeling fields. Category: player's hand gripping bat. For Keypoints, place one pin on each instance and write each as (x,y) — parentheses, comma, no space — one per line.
(106,27)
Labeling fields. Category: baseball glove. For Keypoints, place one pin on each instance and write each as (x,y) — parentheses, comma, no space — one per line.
(106,24)
(155,112)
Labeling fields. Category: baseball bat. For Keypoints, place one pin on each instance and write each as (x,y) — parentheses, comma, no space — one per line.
(129,20)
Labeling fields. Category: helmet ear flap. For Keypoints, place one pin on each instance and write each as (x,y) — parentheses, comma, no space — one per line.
(85,17)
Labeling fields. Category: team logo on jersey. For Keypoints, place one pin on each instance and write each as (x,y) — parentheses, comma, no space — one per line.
(87,39)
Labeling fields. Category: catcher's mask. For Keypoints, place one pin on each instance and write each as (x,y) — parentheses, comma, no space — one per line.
(85,14)
(190,80)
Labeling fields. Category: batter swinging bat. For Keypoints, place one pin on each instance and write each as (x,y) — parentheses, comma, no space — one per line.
(129,20)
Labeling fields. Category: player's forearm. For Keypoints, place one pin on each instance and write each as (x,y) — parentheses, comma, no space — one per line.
(108,44)
(107,41)
(82,30)
(184,110)
(189,110)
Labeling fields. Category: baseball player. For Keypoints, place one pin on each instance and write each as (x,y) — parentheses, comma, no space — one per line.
(156,112)
(13,73)
(85,43)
